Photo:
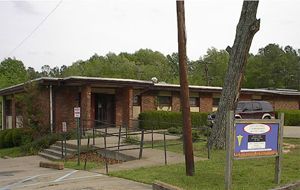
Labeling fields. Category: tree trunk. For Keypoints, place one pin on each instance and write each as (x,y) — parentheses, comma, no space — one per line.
(247,27)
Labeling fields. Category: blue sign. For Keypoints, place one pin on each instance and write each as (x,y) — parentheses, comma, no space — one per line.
(256,139)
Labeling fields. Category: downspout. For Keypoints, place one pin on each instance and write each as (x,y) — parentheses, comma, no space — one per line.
(51,109)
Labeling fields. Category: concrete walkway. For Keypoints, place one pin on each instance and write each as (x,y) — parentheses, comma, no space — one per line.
(151,157)
(24,173)
(291,131)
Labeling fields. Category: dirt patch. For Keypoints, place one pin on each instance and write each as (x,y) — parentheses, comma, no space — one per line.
(93,157)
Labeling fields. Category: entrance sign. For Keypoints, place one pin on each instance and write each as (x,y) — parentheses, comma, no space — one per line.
(256,139)
(77,112)
(253,138)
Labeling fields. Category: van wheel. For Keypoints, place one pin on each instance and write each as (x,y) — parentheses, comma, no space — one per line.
(267,117)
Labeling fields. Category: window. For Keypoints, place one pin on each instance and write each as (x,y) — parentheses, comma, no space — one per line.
(216,102)
(136,100)
(256,106)
(247,107)
(8,110)
(164,100)
(194,101)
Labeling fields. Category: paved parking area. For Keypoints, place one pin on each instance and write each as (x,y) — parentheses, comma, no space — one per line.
(24,173)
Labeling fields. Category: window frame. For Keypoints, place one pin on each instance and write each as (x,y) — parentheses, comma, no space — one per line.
(167,103)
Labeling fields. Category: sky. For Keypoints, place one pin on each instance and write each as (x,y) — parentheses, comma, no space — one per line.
(77,29)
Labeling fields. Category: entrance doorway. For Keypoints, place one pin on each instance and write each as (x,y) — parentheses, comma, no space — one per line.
(104,109)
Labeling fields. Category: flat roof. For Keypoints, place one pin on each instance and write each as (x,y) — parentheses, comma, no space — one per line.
(79,80)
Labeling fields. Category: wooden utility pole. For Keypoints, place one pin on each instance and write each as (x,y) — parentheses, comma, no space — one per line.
(184,91)
(247,27)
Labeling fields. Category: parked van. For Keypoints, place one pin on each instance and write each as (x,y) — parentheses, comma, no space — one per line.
(251,110)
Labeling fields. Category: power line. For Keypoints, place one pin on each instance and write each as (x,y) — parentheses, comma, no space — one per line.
(35,29)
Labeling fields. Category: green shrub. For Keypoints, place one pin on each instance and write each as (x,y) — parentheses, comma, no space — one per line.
(174,130)
(131,140)
(37,145)
(8,139)
(196,135)
(71,134)
(15,137)
(291,117)
(2,136)
(165,119)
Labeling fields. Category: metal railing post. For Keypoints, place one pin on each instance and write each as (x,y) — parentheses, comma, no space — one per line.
(106,164)
(88,147)
(141,144)
(165,148)
(65,146)
(152,137)
(94,132)
(62,147)
(119,138)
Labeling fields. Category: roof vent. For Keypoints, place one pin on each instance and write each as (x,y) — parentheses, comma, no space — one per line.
(154,80)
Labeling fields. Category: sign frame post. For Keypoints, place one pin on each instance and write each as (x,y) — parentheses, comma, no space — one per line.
(278,159)
(260,138)
(77,116)
(229,151)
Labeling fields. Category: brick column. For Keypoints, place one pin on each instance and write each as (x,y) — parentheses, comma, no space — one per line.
(13,112)
(3,112)
(206,102)
(119,107)
(148,102)
(127,107)
(86,106)
(175,102)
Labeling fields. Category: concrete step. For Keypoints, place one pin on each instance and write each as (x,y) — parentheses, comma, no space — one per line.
(70,146)
(49,156)
(52,152)
(58,148)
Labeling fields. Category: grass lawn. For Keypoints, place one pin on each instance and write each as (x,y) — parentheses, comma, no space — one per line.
(89,165)
(209,174)
(11,152)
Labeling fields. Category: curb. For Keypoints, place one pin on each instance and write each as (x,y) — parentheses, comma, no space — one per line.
(291,186)
(158,185)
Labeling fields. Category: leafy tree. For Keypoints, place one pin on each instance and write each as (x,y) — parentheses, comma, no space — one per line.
(32,74)
(12,71)
(210,69)
(273,67)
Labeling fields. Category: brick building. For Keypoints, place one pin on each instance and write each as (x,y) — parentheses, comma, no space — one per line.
(119,101)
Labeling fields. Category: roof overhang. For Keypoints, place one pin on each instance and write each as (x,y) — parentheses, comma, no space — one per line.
(135,84)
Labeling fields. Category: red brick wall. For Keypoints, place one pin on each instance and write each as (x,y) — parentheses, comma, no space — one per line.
(148,102)
(44,105)
(286,103)
(119,108)
(124,106)
(206,102)
(127,106)
(64,103)
(13,112)
(93,104)
(175,102)
(86,106)
(245,97)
